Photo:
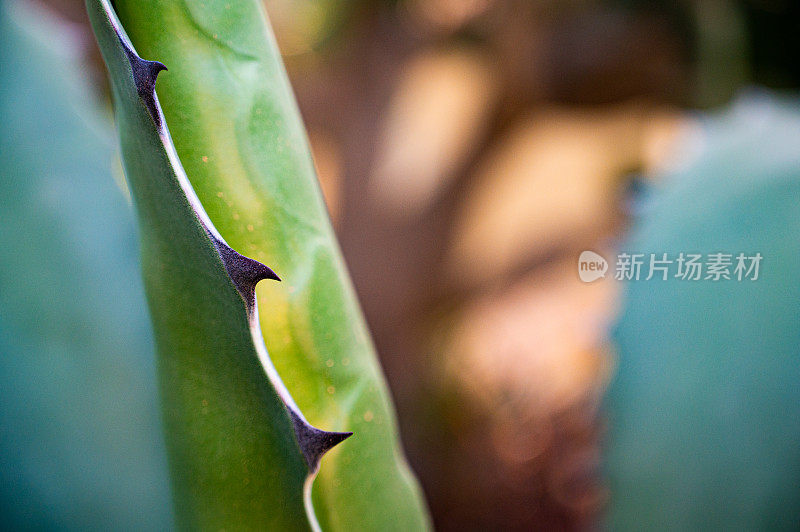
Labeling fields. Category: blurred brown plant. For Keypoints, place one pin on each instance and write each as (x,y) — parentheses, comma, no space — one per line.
(469,150)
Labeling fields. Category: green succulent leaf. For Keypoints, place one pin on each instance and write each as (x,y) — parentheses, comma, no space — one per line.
(236,461)
(241,451)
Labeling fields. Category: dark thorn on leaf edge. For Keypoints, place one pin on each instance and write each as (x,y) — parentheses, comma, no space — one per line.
(145,74)
(315,442)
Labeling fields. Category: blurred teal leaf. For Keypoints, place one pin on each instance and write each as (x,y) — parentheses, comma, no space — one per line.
(705,408)
(80,435)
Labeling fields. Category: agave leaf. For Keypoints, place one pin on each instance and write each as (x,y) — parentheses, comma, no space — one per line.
(241,453)
(238,132)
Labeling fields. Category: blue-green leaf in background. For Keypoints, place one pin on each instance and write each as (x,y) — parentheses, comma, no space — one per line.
(80,436)
(705,406)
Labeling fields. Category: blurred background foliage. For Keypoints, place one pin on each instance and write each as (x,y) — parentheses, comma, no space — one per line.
(80,440)
(705,402)
(469,150)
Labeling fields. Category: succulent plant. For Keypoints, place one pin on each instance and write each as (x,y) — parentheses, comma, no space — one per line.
(238,180)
